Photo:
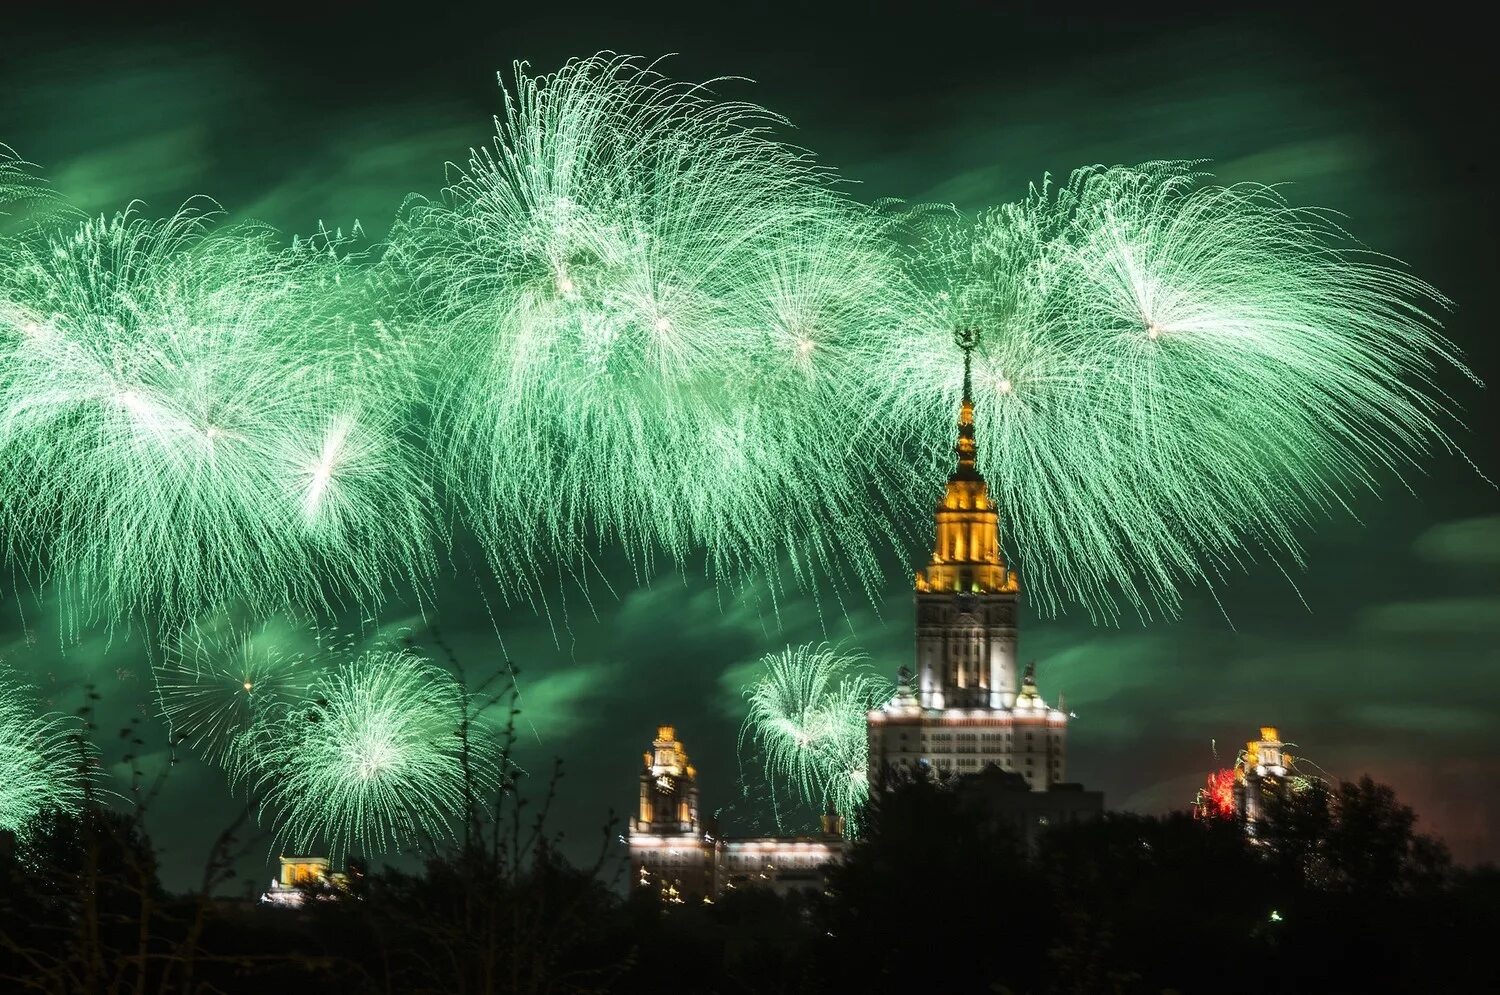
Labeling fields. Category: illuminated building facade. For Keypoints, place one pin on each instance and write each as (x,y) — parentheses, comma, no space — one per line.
(304,876)
(673,854)
(969,706)
(1262,772)
(669,850)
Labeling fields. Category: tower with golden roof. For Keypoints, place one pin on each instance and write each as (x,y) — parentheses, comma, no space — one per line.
(669,853)
(966,596)
(968,706)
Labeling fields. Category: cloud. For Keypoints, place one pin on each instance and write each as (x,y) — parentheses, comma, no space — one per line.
(366,175)
(735,678)
(159,169)
(1444,617)
(1468,542)
(1418,716)
(1324,157)
(565,703)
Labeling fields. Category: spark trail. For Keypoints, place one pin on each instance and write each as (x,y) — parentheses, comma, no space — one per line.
(1174,377)
(195,419)
(806,723)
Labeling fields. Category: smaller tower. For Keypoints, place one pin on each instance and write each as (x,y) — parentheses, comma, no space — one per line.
(669,788)
(1263,771)
(669,852)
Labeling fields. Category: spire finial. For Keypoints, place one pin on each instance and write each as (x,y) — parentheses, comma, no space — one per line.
(967,339)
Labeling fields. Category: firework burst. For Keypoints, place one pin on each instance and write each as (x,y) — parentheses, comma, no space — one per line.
(45,764)
(370,758)
(195,419)
(221,692)
(806,722)
(653,316)
(1173,377)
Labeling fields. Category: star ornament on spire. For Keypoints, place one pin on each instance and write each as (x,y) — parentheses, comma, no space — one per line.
(967,340)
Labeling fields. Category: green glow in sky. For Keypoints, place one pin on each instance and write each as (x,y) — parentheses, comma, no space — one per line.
(265,123)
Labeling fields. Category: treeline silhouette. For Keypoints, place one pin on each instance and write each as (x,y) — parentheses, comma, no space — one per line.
(1335,892)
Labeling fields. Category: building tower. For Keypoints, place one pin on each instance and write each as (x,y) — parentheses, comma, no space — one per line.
(668,849)
(669,788)
(674,856)
(1262,769)
(968,707)
(966,598)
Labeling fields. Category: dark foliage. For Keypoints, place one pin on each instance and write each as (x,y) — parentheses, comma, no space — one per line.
(1334,892)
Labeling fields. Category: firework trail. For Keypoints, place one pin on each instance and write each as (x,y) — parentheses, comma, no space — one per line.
(1173,377)
(370,758)
(221,691)
(642,321)
(806,722)
(194,419)
(45,764)
(652,316)
(24,193)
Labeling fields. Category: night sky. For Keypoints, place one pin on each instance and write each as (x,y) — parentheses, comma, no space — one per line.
(1391,665)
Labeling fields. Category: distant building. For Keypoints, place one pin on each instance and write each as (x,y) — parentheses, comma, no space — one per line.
(669,850)
(969,706)
(1263,770)
(301,877)
(782,864)
(674,855)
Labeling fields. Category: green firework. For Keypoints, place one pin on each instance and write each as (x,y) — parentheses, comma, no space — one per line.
(806,722)
(221,691)
(370,758)
(652,318)
(1173,377)
(643,322)
(45,763)
(23,192)
(196,419)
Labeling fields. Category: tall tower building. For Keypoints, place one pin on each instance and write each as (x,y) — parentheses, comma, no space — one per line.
(969,706)
(1262,769)
(667,842)
(966,598)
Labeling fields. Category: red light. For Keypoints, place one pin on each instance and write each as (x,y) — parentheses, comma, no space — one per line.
(1218,795)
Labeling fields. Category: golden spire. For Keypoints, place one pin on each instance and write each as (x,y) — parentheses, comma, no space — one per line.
(966,449)
(966,555)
